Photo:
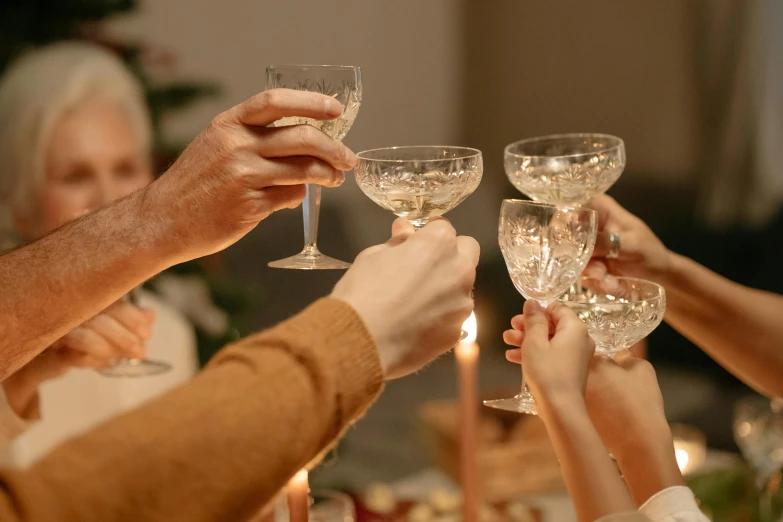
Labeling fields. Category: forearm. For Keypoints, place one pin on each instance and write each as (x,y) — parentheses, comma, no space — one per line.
(648,464)
(221,446)
(591,478)
(56,283)
(741,328)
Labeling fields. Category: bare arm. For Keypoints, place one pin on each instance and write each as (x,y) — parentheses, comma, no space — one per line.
(741,328)
(591,478)
(233,175)
(58,282)
(557,370)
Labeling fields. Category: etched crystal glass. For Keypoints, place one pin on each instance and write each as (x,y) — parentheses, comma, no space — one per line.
(344,83)
(618,311)
(565,169)
(546,248)
(419,183)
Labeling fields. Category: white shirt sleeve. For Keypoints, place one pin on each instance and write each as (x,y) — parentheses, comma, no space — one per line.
(675,504)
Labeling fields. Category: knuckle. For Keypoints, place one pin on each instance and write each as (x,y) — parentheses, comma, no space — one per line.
(266,99)
(305,135)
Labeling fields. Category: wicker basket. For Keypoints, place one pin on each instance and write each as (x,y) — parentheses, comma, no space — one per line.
(515,458)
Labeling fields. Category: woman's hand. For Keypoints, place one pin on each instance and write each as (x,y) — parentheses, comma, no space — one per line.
(119,331)
(640,253)
(555,350)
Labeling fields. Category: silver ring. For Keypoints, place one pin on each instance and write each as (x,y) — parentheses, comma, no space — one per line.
(614,246)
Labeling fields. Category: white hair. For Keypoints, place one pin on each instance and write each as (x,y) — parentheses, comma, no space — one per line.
(34,94)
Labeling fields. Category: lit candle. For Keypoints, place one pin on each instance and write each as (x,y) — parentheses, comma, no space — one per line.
(299,497)
(467,352)
(690,448)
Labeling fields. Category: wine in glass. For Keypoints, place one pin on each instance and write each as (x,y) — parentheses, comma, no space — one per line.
(419,183)
(344,83)
(618,311)
(127,367)
(565,169)
(545,248)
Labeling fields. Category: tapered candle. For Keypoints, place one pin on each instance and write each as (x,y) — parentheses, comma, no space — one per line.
(467,352)
(299,497)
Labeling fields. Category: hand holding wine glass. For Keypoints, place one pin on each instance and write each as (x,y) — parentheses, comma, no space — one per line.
(413,293)
(344,84)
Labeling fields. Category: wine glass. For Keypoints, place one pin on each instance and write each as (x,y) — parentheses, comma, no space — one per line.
(419,183)
(758,431)
(546,248)
(127,367)
(565,169)
(344,83)
(618,311)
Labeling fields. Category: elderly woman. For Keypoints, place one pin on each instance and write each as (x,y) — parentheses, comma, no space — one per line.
(76,136)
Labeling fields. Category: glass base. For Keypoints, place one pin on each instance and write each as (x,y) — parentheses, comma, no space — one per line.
(135,368)
(310,261)
(521,403)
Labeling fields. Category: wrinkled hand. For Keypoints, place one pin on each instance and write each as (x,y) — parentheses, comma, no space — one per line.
(555,351)
(641,255)
(119,331)
(238,171)
(413,293)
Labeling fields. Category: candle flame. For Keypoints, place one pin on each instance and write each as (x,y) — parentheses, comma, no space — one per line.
(682,459)
(471,327)
(301,477)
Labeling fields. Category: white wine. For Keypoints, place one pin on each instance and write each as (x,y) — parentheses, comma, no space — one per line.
(419,197)
(336,129)
(569,192)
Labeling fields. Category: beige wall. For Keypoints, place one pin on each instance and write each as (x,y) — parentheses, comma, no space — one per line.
(480,73)
(409,50)
(615,66)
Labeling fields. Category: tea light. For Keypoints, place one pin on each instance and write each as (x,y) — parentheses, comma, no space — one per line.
(690,447)
(467,352)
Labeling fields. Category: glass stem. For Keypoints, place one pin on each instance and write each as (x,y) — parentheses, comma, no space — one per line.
(311,207)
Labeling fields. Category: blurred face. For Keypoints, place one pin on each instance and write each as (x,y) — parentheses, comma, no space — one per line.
(93,158)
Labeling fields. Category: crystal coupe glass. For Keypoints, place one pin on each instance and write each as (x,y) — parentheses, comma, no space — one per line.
(618,311)
(565,169)
(419,183)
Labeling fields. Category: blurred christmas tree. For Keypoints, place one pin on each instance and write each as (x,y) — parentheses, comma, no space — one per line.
(26,24)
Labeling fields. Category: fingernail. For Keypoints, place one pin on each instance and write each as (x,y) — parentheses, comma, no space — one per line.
(332,107)
(351,159)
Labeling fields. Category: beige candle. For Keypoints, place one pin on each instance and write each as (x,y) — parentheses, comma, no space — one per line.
(299,497)
(467,352)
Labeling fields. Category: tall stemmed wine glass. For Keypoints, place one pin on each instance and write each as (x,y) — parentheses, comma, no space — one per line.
(344,83)
(127,367)
(419,183)
(545,248)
